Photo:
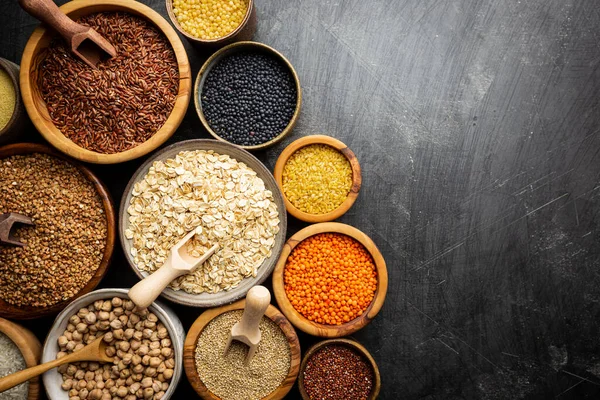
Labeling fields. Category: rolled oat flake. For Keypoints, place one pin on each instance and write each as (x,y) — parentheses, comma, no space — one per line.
(11,361)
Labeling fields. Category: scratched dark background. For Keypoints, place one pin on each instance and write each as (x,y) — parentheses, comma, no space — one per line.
(477,125)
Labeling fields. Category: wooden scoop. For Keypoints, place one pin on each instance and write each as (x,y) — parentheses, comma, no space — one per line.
(85,43)
(247,331)
(7,222)
(95,351)
(178,263)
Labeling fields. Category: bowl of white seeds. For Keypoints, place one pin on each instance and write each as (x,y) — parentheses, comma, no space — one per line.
(146,344)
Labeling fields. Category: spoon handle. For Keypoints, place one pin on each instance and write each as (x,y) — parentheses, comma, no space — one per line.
(13,380)
(257,301)
(49,13)
(148,289)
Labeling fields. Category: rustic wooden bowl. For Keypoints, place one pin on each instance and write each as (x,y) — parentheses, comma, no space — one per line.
(222,297)
(342,148)
(36,107)
(323,330)
(353,346)
(10,311)
(30,348)
(236,48)
(18,120)
(191,340)
(244,31)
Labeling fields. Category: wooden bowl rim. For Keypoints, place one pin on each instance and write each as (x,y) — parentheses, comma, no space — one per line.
(191,341)
(322,330)
(208,64)
(354,345)
(14,77)
(242,25)
(53,135)
(198,144)
(30,348)
(109,212)
(342,148)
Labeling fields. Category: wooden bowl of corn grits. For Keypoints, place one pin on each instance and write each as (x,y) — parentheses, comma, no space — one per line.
(324,330)
(191,341)
(222,297)
(37,108)
(8,310)
(354,188)
(244,31)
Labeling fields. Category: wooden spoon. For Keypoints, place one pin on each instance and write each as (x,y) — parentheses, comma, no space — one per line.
(247,331)
(7,222)
(179,262)
(95,351)
(85,42)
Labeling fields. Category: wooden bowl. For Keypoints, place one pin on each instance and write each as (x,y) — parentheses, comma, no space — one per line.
(323,330)
(244,31)
(222,297)
(53,379)
(351,344)
(236,48)
(30,348)
(8,310)
(17,122)
(36,107)
(342,148)
(191,340)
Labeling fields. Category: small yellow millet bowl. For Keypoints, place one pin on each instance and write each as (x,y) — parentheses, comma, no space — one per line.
(354,188)
(243,32)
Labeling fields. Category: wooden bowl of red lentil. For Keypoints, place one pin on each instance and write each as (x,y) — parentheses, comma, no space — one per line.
(324,143)
(244,31)
(9,310)
(321,294)
(348,366)
(191,342)
(124,116)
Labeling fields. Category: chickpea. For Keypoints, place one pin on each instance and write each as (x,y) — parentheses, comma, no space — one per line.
(126,373)
(151,371)
(113,390)
(98,305)
(60,354)
(83,393)
(155,362)
(103,316)
(62,341)
(137,335)
(79,374)
(67,384)
(149,324)
(108,337)
(128,305)
(69,335)
(127,358)
(116,324)
(170,363)
(81,327)
(78,346)
(118,333)
(128,333)
(73,392)
(110,383)
(168,374)
(154,337)
(117,302)
(122,392)
(137,377)
(93,328)
(166,352)
(160,377)
(138,368)
(139,325)
(146,360)
(129,381)
(90,386)
(83,312)
(159,395)
(165,386)
(134,387)
(124,319)
(70,328)
(106,396)
(94,366)
(77,336)
(95,394)
(71,369)
(135,344)
(131,397)
(111,351)
(82,384)
(90,318)
(148,393)
(102,325)
(100,385)
(161,368)
(118,312)
(106,306)
(124,345)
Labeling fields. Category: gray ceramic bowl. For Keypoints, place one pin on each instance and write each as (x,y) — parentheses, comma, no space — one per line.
(52,379)
(209,299)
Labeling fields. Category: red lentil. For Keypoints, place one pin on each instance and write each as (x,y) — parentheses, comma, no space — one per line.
(337,373)
(330,278)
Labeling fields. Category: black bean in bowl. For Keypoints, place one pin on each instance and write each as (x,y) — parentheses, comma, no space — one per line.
(249,98)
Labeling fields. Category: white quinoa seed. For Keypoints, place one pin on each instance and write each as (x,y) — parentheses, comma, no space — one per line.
(227,376)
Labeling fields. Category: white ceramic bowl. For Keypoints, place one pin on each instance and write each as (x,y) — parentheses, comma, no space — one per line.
(52,379)
(206,300)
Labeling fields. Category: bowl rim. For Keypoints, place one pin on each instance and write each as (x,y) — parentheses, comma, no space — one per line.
(167,316)
(30,348)
(53,135)
(6,65)
(339,146)
(323,330)
(175,22)
(11,311)
(191,340)
(198,144)
(214,58)
(346,342)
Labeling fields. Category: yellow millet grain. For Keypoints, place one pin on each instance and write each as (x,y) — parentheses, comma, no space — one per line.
(209,19)
(7,98)
(317,179)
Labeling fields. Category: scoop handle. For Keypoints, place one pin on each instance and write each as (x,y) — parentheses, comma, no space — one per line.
(257,301)
(148,289)
(49,13)
(17,378)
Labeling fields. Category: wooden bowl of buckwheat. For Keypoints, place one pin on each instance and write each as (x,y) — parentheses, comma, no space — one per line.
(123,109)
(69,247)
(226,195)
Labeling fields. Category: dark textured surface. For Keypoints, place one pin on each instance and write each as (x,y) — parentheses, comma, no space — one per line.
(477,125)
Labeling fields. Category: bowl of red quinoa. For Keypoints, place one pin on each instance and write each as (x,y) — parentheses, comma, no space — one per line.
(124,109)
(339,369)
(248,94)
(330,280)
(69,248)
